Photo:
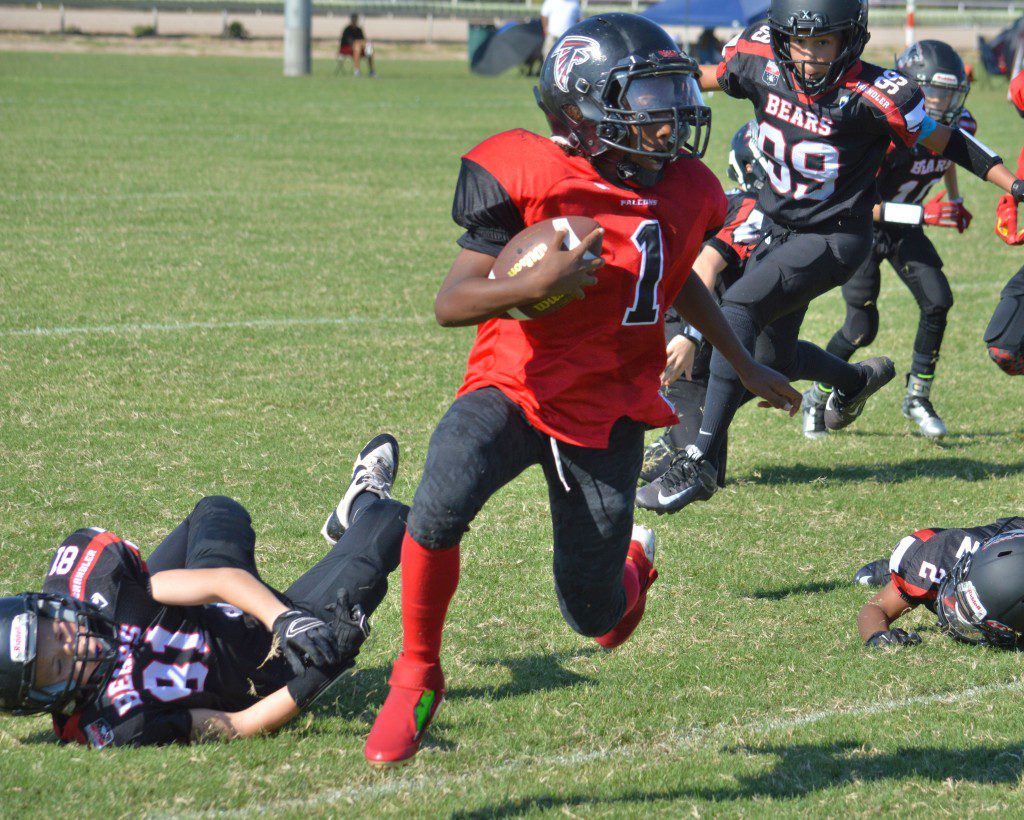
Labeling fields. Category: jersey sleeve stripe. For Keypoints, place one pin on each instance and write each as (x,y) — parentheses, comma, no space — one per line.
(750,47)
(900,551)
(888,108)
(912,592)
(87,563)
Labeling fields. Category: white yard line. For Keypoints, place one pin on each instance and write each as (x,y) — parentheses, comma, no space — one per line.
(209,325)
(419,780)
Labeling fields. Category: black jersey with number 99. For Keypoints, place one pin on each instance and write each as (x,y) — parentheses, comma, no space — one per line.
(822,152)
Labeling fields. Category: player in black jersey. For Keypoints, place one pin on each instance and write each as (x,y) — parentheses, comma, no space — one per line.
(125,652)
(904,181)
(719,264)
(825,120)
(971,578)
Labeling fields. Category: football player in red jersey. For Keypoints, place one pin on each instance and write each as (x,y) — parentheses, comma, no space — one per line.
(906,177)
(573,391)
(825,120)
(126,652)
(1004,336)
(971,578)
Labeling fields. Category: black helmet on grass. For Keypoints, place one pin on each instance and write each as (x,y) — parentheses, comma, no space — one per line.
(612,75)
(982,598)
(746,166)
(814,18)
(20,619)
(938,69)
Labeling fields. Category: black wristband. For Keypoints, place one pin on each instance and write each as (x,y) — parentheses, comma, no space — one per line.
(688,331)
(1017,190)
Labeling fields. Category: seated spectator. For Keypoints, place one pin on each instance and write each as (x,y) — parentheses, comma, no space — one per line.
(355,45)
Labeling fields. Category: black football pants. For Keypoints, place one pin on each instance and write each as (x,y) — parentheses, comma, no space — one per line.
(483,442)
(917,263)
(218,533)
(785,273)
(688,398)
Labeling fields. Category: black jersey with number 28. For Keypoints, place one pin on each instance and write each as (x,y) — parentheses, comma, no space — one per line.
(823,152)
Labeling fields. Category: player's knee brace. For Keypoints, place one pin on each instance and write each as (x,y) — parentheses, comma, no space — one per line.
(861,325)
(1004,336)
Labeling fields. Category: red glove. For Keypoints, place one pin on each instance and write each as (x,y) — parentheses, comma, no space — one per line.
(963,216)
(1006,221)
(942,214)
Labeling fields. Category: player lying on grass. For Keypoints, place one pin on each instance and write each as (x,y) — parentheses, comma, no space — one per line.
(1004,336)
(575,390)
(971,578)
(907,175)
(825,119)
(182,647)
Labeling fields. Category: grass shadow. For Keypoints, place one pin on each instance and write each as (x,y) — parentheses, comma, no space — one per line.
(962,469)
(360,694)
(800,770)
(811,588)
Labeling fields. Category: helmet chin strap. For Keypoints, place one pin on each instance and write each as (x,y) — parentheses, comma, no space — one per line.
(623,169)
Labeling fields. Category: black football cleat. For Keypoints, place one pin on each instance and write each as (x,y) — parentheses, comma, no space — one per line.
(875,574)
(841,411)
(658,457)
(374,471)
(691,477)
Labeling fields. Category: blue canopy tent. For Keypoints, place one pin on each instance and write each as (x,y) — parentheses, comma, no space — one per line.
(707,13)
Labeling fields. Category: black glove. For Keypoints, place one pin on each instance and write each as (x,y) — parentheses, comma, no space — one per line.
(350,625)
(1017,190)
(305,640)
(893,637)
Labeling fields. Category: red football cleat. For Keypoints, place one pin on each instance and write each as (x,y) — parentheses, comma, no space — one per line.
(415,696)
(641,552)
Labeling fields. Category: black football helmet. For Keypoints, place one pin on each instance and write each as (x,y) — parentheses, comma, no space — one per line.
(982,598)
(938,69)
(20,617)
(746,162)
(812,18)
(611,75)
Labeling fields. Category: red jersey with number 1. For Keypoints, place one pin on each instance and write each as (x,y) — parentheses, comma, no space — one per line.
(577,371)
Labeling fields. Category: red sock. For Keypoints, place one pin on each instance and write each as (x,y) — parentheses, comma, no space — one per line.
(631,583)
(429,580)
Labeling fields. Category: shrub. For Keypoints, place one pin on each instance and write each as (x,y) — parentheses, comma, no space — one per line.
(236,31)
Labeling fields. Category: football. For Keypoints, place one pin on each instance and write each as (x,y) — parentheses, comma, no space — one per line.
(528,247)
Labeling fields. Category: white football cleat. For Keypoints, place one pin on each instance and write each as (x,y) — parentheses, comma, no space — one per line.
(374,472)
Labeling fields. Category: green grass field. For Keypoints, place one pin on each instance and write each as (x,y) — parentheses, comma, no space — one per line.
(216,280)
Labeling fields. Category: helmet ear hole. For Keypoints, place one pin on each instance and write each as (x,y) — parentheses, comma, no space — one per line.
(572,111)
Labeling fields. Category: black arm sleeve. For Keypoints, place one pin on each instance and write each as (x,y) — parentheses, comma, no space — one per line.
(970,153)
(484,208)
(149,728)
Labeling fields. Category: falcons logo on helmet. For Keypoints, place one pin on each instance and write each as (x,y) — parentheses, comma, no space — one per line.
(571,52)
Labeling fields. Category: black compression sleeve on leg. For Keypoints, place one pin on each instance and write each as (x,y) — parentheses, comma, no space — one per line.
(971,153)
